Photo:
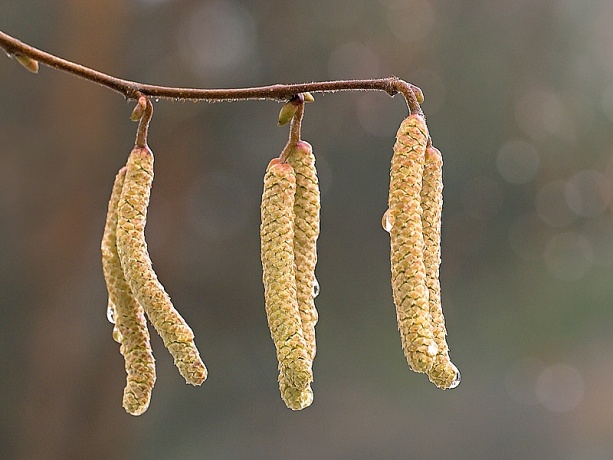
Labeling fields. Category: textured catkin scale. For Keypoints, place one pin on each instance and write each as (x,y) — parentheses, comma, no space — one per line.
(295,398)
(130,328)
(132,215)
(443,373)
(306,231)
(278,275)
(407,244)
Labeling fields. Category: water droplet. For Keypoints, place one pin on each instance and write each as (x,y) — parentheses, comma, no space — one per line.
(315,287)
(157,99)
(387,221)
(457,380)
(110,313)
(117,337)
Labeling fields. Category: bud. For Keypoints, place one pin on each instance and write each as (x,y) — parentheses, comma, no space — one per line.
(27,62)
(139,109)
(287,112)
(308,97)
(419,95)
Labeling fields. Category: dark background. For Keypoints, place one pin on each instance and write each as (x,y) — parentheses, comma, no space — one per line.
(519,98)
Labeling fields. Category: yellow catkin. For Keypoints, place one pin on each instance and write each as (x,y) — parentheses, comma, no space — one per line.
(306,231)
(132,216)
(130,325)
(278,275)
(443,373)
(407,244)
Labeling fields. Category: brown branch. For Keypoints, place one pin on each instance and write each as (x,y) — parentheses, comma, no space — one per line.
(133,90)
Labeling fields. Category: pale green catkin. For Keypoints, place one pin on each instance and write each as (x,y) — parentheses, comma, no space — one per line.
(279,278)
(306,232)
(132,216)
(443,373)
(409,287)
(130,325)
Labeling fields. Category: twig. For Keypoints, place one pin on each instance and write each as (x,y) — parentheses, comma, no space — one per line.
(279,92)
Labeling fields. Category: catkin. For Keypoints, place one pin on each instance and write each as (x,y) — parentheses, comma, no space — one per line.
(279,278)
(130,325)
(132,215)
(443,373)
(409,287)
(306,231)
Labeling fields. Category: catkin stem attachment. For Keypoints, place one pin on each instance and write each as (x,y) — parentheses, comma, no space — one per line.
(409,287)
(131,326)
(136,263)
(444,374)
(279,278)
(306,231)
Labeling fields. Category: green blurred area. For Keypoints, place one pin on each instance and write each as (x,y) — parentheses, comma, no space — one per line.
(519,98)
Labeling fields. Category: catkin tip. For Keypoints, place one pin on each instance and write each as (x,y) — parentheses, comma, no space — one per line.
(295,398)
(444,374)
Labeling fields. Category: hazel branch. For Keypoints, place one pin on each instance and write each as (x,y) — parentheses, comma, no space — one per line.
(279,92)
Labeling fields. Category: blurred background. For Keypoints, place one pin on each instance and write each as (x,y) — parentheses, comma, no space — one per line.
(519,98)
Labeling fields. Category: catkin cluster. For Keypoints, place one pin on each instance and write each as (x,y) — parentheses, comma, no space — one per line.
(414,223)
(288,233)
(289,230)
(134,288)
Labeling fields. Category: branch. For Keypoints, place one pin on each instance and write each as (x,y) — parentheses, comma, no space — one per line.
(133,90)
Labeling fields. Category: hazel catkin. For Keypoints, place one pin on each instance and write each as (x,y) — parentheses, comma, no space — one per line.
(279,278)
(443,373)
(409,287)
(306,232)
(130,325)
(136,263)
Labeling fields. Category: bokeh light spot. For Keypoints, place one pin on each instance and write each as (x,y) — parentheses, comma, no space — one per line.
(216,36)
(560,388)
(411,20)
(540,114)
(599,232)
(588,193)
